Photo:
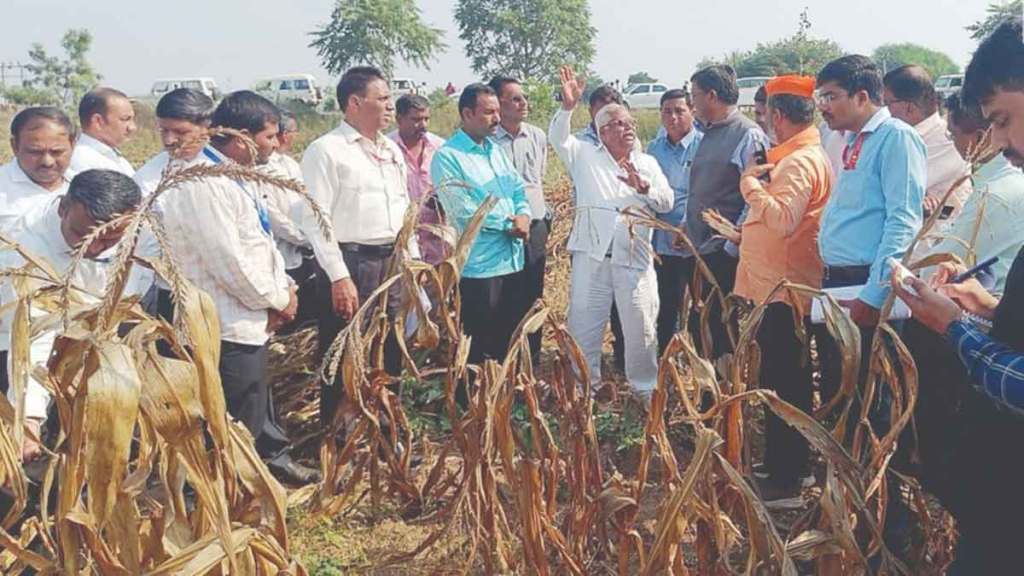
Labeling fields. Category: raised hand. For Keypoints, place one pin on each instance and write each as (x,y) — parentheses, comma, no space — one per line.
(633,178)
(572,87)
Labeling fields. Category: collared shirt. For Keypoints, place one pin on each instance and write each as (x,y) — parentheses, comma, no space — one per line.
(675,161)
(361,185)
(780,234)
(285,209)
(218,240)
(834,142)
(875,208)
(991,219)
(996,370)
(18,193)
(433,248)
(90,154)
(945,165)
(465,174)
(40,234)
(600,228)
(528,151)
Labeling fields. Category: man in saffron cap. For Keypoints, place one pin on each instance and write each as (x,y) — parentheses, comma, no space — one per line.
(780,241)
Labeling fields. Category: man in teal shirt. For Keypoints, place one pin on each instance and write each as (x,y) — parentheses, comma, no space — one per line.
(468,169)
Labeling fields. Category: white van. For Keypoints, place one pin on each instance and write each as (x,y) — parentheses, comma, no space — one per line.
(290,87)
(748,89)
(203,84)
(402,86)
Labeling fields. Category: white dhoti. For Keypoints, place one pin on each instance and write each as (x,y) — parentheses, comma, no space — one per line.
(595,285)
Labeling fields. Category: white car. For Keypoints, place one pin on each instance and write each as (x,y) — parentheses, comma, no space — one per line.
(203,84)
(948,84)
(290,87)
(402,86)
(645,95)
(748,88)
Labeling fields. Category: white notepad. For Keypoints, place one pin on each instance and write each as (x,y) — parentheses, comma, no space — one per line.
(899,308)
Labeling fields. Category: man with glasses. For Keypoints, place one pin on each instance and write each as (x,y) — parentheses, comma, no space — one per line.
(527,146)
(611,260)
(909,94)
(674,149)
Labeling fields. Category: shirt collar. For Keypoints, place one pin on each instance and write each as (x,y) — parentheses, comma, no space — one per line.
(992,170)
(467,143)
(874,122)
(933,122)
(429,142)
(807,137)
(502,134)
(99,146)
(351,134)
(684,142)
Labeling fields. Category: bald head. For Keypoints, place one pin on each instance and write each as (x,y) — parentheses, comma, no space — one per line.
(910,93)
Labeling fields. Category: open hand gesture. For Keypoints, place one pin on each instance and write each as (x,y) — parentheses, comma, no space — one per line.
(572,87)
(633,178)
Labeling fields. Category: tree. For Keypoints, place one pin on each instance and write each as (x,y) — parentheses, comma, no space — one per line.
(997,14)
(641,78)
(799,54)
(376,32)
(527,39)
(55,81)
(889,56)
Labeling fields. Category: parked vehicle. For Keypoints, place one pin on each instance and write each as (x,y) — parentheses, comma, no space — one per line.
(748,88)
(948,84)
(402,86)
(290,87)
(203,84)
(644,95)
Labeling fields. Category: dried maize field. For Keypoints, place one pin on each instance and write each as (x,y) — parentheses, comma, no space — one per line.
(536,474)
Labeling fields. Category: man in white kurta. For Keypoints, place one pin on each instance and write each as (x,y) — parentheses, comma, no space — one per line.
(611,263)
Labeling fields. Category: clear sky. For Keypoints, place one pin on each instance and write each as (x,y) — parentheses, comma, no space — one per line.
(239,41)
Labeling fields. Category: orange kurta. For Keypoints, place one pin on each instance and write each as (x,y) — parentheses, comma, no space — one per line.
(780,234)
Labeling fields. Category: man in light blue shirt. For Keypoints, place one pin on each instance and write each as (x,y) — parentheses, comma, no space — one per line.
(673,148)
(468,169)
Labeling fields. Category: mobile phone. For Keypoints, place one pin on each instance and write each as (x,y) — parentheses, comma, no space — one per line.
(901,273)
(947,211)
(761,157)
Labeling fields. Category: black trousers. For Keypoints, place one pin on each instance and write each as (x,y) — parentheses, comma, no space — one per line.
(723,268)
(243,374)
(5,382)
(533,275)
(786,369)
(368,267)
(491,310)
(674,272)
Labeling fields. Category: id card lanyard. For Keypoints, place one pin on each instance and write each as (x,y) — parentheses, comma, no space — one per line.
(261,210)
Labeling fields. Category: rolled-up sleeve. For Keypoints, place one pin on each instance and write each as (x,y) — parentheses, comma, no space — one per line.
(995,369)
(903,179)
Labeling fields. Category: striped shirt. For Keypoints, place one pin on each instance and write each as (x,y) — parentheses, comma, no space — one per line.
(996,370)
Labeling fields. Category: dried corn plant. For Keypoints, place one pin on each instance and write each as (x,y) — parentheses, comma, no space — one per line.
(147,473)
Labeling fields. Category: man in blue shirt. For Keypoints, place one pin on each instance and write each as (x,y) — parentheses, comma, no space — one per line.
(875,208)
(674,149)
(468,169)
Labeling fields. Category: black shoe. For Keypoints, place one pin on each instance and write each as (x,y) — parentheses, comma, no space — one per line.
(291,472)
(779,495)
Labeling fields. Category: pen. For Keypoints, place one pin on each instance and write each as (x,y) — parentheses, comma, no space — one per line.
(984,265)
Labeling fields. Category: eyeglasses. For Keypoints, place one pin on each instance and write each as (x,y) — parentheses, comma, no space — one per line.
(824,98)
(620,124)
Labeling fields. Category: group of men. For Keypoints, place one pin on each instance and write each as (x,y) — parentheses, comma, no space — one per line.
(821,205)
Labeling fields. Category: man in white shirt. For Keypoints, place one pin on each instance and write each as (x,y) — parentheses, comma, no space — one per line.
(53,232)
(910,96)
(220,236)
(182,118)
(358,176)
(611,262)
(42,139)
(284,206)
(107,118)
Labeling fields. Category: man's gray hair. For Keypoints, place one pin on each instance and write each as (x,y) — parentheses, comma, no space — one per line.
(604,116)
